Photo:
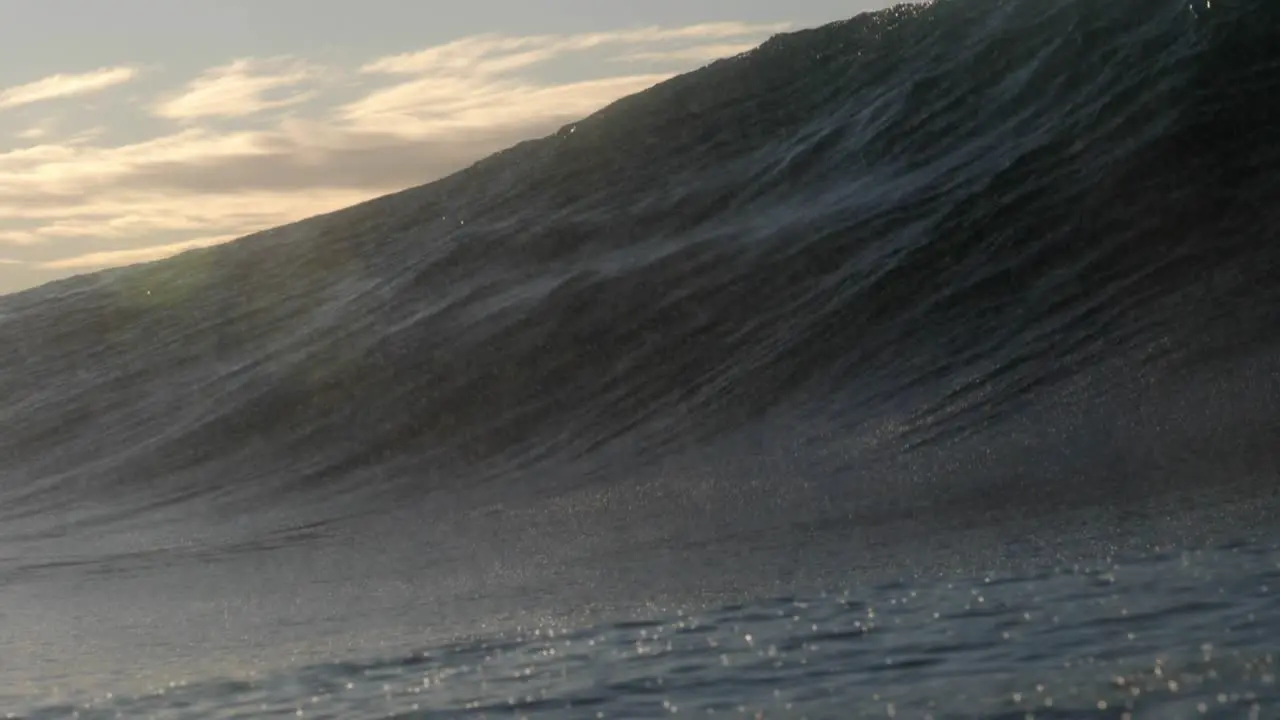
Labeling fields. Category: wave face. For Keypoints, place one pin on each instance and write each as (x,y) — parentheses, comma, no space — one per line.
(922,220)
(988,254)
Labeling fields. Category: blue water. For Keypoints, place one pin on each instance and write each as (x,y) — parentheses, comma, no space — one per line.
(1168,634)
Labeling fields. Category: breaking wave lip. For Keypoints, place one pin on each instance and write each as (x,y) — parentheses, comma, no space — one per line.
(903,238)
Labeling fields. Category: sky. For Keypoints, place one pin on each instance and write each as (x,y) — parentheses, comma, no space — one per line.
(131,130)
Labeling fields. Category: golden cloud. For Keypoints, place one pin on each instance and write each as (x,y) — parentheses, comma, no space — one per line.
(696,53)
(20,237)
(112,258)
(441,106)
(240,88)
(476,82)
(487,55)
(63,86)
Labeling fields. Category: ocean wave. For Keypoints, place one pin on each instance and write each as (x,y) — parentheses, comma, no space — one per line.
(890,233)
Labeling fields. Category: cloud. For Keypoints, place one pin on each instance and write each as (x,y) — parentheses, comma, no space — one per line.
(487,55)
(112,258)
(137,217)
(20,237)
(241,88)
(231,169)
(435,106)
(484,81)
(63,86)
(697,53)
